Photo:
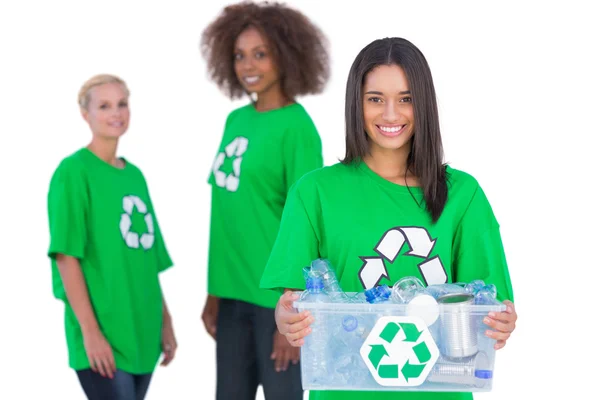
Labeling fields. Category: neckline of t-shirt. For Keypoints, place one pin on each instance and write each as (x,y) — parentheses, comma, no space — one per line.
(414,190)
(103,164)
(274,110)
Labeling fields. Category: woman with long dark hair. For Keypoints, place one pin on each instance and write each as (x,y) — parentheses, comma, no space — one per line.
(392,186)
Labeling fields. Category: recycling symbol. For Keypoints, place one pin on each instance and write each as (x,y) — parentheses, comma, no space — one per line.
(235,149)
(134,239)
(399,351)
(420,245)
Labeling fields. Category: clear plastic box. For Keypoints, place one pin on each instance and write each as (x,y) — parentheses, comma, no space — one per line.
(395,347)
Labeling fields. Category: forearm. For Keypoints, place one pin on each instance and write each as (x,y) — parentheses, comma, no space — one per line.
(165,309)
(77,292)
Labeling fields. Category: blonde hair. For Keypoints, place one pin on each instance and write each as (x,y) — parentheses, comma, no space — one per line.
(84,93)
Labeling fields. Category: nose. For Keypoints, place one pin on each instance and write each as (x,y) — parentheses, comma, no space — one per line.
(390,114)
(247,64)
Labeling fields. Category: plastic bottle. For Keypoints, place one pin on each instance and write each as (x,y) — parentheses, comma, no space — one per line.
(348,367)
(322,268)
(473,371)
(444,288)
(315,344)
(486,295)
(378,294)
(420,303)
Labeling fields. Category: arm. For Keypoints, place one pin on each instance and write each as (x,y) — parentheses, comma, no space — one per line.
(77,292)
(97,348)
(479,254)
(168,341)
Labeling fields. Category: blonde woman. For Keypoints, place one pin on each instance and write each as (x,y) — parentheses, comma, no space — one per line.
(106,251)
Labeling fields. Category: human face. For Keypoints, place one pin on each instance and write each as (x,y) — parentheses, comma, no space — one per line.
(254,64)
(108,111)
(387,109)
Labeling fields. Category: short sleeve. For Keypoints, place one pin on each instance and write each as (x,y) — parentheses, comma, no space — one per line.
(67,210)
(302,151)
(163,258)
(478,249)
(296,246)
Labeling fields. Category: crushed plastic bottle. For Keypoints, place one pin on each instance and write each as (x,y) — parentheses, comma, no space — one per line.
(378,294)
(323,269)
(316,342)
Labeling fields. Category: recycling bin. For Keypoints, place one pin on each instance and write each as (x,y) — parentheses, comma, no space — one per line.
(397,347)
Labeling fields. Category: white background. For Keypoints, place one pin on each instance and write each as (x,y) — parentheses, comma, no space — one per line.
(517,83)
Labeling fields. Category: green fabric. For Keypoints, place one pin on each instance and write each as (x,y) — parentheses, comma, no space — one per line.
(261,155)
(348,213)
(104,216)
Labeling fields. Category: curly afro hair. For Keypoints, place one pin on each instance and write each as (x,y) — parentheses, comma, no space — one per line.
(300,49)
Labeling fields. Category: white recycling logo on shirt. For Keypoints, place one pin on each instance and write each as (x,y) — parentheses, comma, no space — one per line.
(421,245)
(235,149)
(134,239)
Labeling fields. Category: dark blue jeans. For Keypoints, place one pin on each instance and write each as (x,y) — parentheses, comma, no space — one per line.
(123,385)
(244,346)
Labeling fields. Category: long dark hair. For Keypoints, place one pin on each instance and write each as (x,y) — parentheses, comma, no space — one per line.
(425,159)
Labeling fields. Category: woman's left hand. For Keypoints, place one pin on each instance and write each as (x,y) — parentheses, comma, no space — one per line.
(503,323)
(168,342)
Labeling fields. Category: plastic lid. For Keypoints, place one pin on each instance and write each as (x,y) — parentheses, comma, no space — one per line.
(349,323)
(483,373)
(424,306)
(377,293)
(455,298)
(314,283)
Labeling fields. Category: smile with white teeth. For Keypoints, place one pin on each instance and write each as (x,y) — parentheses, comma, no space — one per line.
(391,129)
(116,124)
(251,79)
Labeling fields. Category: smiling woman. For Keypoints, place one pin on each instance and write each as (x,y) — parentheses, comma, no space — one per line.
(106,252)
(393,176)
(274,54)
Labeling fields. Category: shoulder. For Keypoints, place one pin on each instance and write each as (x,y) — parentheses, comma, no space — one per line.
(72,164)
(298,126)
(298,114)
(325,178)
(239,112)
(460,182)
(465,192)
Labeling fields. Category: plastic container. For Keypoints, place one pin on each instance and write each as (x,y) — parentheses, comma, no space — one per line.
(393,347)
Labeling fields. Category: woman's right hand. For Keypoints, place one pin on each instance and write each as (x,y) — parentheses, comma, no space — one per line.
(99,353)
(293,325)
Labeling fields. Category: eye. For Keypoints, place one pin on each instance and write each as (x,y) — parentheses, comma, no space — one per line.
(123,105)
(375,99)
(103,106)
(238,56)
(260,54)
(406,100)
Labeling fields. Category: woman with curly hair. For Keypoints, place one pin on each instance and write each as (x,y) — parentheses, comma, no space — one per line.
(273,54)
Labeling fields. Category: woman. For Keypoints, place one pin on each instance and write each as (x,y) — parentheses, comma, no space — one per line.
(107,250)
(392,178)
(273,54)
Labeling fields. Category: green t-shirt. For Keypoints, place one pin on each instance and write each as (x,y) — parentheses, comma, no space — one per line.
(261,156)
(374,232)
(103,216)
